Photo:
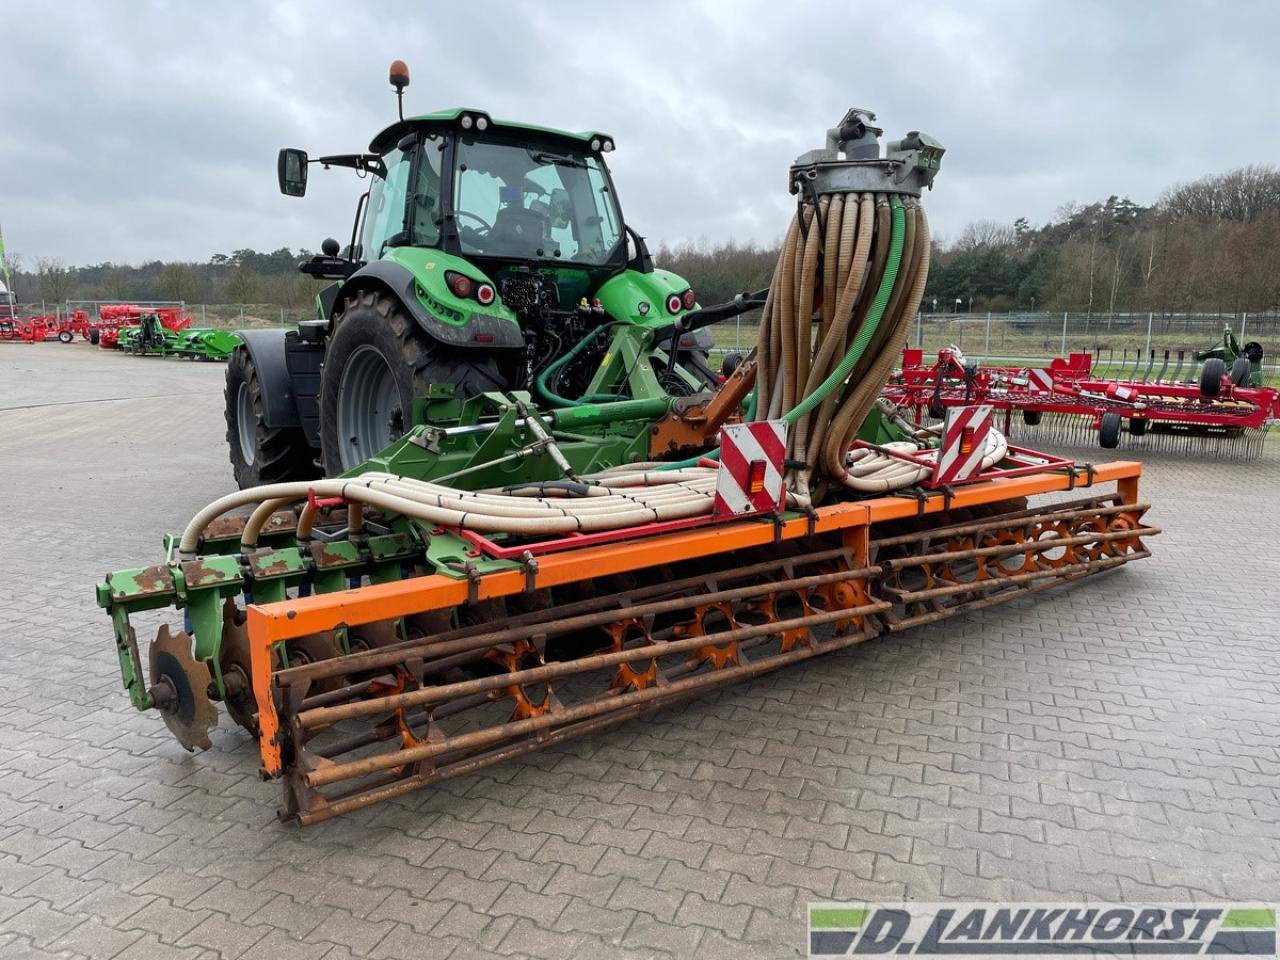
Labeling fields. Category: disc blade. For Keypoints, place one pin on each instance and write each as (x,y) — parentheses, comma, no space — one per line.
(188,713)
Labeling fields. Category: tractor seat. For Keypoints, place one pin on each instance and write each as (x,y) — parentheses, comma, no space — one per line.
(527,230)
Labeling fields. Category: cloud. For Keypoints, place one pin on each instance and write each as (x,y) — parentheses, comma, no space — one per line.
(132,131)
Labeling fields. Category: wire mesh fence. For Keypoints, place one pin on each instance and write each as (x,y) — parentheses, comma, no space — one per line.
(1008,337)
(1025,337)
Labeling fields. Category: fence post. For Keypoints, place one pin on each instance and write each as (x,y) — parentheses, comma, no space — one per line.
(920,329)
(986,350)
(204,320)
(1244,320)
(1149,316)
(282,316)
(1064,334)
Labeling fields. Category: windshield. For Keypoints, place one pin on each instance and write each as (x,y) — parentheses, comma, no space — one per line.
(530,202)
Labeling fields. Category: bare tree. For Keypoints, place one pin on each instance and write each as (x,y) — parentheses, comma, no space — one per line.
(986,235)
(54,279)
(176,281)
(1243,194)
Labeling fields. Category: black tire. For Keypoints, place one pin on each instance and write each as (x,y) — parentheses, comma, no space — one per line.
(95,335)
(1241,370)
(268,455)
(65,336)
(1032,417)
(1137,426)
(1109,431)
(1211,375)
(376,342)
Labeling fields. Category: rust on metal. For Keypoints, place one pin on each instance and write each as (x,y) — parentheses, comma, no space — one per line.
(379,693)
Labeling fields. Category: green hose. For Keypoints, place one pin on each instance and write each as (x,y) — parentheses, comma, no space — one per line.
(554,398)
(860,342)
(856,349)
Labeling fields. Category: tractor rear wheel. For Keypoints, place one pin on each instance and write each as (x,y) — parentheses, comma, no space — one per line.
(260,454)
(1211,375)
(377,361)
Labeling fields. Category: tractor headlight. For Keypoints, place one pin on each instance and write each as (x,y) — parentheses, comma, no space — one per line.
(607,146)
(595,145)
(466,121)
(482,123)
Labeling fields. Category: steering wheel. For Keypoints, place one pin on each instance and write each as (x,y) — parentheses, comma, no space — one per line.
(480,220)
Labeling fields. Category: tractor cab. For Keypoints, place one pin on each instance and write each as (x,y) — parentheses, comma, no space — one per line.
(507,197)
(485,256)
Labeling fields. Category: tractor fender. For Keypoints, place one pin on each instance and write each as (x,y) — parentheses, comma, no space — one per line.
(267,351)
(477,331)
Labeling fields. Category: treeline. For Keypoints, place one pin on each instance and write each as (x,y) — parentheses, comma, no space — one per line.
(1213,244)
(243,276)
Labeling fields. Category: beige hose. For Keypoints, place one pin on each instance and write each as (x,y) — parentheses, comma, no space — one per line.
(610,501)
(838,288)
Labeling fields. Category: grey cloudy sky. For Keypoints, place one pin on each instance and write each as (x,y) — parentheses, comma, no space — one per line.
(131,131)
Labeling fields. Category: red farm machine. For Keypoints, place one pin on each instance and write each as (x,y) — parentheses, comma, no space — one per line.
(64,329)
(1225,413)
(541,515)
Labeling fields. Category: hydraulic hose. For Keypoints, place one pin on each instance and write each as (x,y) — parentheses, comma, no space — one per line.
(553,398)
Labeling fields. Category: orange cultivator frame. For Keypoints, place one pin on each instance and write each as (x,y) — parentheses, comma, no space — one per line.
(888,582)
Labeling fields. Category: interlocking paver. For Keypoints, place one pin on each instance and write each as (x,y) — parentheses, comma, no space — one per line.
(1100,743)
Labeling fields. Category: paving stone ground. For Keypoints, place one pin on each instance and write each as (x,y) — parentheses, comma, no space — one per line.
(1118,740)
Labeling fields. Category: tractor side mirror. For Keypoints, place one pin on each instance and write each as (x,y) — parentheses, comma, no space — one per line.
(291,171)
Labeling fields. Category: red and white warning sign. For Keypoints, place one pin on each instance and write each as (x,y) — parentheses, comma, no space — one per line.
(1040,379)
(964,442)
(749,479)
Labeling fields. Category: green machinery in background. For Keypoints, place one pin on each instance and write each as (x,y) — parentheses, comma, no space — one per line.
(151,338)
(1244,363)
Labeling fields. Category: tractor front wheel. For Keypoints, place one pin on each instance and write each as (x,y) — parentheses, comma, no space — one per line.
(260,454)
(377,362)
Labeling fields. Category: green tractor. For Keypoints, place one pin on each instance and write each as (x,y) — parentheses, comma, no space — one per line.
(485,255)
(1227,358)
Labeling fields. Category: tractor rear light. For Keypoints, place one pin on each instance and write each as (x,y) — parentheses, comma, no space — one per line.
(755,476)
(674,303)
(689,299)
(483,338)
(485,294)
(688,341)
(966,440)
(460,286)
